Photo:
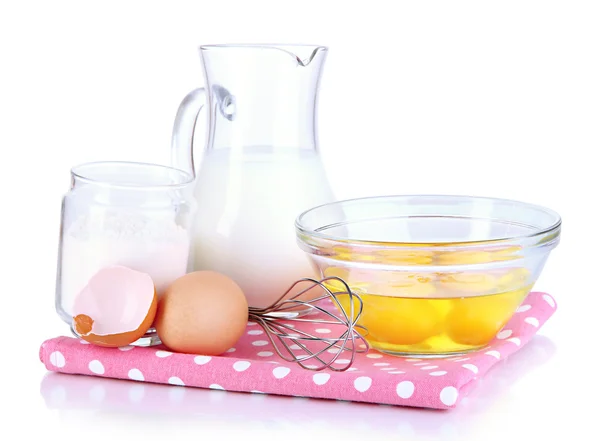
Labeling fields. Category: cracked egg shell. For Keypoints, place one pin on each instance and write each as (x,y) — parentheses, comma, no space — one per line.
(116,307)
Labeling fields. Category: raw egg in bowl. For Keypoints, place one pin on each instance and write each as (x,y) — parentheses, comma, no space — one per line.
(438,275)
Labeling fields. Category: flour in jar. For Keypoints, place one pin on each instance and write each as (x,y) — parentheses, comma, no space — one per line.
(154,245)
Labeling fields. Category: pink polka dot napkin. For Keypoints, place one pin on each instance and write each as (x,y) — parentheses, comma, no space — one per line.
(253,366)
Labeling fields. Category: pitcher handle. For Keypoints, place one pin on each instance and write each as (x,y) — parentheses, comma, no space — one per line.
(182,140)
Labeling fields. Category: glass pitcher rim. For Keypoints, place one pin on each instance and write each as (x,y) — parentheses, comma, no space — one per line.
(302,53)
(78,173)
(262,46)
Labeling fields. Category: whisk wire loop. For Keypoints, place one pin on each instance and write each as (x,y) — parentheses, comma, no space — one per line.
(299,346)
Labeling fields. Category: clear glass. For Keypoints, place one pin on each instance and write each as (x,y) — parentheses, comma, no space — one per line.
(123,213)
(260,165)
(438,275)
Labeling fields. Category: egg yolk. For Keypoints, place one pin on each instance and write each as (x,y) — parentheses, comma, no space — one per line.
(401,321)
(476,320)
(433,312)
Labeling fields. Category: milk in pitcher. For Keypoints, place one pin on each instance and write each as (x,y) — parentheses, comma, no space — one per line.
(247,204)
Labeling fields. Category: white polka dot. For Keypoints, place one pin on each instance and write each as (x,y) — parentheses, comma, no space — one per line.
(260,343)
(230,350)
(333,350)
(255,332)
(297,348)
(135,374)
(523,308)
(96,367)
(396,372)
(438,373)
(421,364)
(264,354)
(321,379)
(323,331)
(280,372)
(362,384)
(311,366)
(381,364)
(427,368)
(505,333)
(458,360)
(515,340)
(163,354)
(126,348)
(201,359)
(252,323)
(342,361)
(388,368)
(449,395)
(57,359)
(176,381)
(549,300)
(216,387)
(532,321)
(471,367)
(412,360)
(352,369)
(494,354)
(362,346)
(241,366)
(374,356)
(405,389)
(83,342)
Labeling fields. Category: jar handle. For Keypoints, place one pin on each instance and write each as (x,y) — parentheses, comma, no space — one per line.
(182,139)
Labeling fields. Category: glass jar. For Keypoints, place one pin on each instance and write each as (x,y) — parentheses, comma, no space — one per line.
(123,213)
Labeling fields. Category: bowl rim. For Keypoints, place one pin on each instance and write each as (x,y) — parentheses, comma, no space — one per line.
(554,226)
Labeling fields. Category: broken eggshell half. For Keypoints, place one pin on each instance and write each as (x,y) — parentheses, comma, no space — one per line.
(116,307)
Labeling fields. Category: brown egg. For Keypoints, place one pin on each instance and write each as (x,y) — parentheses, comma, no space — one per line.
(202,312)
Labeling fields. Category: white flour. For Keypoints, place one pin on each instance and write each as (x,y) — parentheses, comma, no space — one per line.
(157,246)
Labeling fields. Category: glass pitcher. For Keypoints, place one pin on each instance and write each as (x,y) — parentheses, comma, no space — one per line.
(260,166)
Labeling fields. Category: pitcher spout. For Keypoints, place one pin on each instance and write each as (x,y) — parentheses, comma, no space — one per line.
(303,54)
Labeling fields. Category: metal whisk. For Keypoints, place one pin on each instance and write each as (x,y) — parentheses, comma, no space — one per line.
(316,353)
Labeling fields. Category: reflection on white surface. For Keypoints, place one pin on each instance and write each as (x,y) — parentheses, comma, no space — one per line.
(116,400)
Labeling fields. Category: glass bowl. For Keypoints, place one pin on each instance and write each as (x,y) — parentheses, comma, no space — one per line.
(438,275)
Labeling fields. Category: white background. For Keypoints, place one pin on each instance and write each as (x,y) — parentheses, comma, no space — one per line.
(482,98)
